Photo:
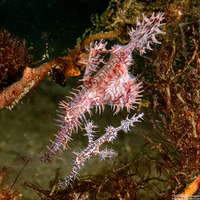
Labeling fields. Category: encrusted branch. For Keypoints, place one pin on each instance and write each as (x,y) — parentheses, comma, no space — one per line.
(31,78)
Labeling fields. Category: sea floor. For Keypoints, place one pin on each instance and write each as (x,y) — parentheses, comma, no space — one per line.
(25,132)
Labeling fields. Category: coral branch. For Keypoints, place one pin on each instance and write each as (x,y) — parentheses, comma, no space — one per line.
(190,190)
(12,94)
(31,78)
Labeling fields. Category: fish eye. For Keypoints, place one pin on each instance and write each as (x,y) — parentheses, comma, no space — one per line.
(68,118)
